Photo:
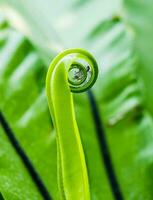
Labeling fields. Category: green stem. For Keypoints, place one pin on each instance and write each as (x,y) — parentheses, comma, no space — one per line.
(72,170)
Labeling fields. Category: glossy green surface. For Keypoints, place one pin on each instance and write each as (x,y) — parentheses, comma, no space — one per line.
(72,170)
(119,35)
(79,59)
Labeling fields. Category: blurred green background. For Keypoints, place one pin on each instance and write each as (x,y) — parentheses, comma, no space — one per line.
(120,36)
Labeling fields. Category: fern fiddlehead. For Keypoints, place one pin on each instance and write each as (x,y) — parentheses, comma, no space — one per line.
(73,70)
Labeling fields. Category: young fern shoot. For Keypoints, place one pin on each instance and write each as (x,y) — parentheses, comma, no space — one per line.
(74,70)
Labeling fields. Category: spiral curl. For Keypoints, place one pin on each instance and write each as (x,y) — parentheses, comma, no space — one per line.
(81,66)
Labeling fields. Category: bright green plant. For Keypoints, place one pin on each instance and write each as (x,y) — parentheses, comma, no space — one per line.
(75,70)
(118,146)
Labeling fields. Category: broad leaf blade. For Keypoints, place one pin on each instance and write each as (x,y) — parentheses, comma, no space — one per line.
(23,75)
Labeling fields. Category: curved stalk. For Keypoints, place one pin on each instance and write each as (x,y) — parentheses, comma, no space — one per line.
(73,70)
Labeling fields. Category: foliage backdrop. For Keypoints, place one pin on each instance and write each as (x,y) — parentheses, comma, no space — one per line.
(119,34)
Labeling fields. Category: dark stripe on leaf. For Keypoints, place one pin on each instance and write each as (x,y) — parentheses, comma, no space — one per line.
(104,149)
(1,197)
(36,178)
